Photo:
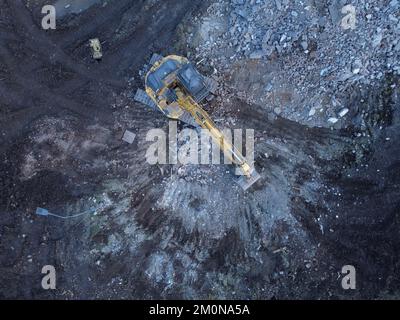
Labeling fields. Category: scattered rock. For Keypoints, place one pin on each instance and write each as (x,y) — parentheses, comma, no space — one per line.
(377,40)
(129,137)
(343,112)
(256,55)
(324,72)
(277,111)
(333,120)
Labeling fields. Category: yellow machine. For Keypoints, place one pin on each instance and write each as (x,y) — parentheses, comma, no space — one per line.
(96,48)
(176,88)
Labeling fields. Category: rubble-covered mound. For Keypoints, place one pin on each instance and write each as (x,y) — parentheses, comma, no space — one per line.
(298,59)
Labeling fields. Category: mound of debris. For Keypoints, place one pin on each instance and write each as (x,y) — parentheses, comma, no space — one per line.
(298,58)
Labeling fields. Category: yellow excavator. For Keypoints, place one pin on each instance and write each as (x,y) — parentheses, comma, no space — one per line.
(175,87)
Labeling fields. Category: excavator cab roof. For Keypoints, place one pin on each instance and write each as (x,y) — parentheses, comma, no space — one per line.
(155,78)
(191,79)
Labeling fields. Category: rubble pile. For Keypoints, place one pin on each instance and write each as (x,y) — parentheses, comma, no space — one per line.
(304,54)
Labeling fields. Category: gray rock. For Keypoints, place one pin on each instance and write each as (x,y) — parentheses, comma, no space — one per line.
(269,87)
(324,72)
(278,4)
(242,13)
(304,45)
(129,137)
(333,120)
(377,40)
(277,110)
(334,11)
(343,112)
(256,55)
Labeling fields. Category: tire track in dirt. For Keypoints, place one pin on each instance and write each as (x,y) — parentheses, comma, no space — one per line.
(103,19)
(35,38)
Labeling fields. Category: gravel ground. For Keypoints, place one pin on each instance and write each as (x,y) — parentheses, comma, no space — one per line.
(322,96)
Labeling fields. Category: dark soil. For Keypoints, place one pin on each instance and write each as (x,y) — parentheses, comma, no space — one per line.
(68,112)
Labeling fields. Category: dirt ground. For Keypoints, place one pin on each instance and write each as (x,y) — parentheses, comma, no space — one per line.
(328,195)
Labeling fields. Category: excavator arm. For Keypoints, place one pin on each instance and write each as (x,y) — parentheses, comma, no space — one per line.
(204,120)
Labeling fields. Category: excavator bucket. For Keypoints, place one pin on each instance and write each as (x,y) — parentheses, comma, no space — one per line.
(246,182)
